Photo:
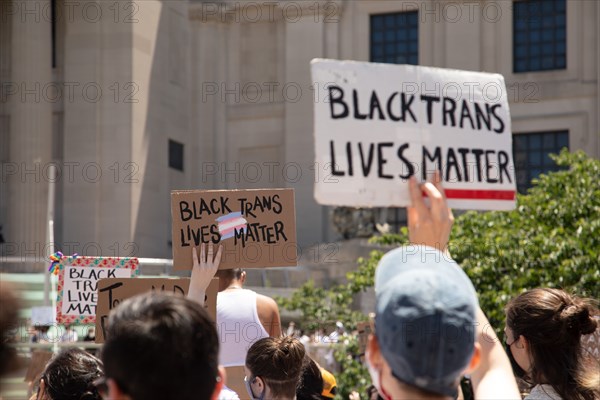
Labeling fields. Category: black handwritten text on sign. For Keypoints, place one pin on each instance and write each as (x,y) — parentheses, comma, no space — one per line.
(377,125)
(257,228)
(80,288)
(111,292)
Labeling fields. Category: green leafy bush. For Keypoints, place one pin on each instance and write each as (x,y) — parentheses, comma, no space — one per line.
(552,238)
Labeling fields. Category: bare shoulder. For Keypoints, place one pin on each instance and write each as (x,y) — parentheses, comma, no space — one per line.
(266,303)
(268,313)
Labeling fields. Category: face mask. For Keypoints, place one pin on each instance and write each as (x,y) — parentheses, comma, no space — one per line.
(249,389)
(519,372)
(376,379)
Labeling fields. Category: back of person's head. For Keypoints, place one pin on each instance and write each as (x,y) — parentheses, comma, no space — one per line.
(230,274)
(278,362)
(316,383)
(162,346)
(311,382)
(425,321)
(552,321)
(70,375)
(9,309)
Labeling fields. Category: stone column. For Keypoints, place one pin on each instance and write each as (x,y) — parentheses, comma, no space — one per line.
(30,128)
(303,42)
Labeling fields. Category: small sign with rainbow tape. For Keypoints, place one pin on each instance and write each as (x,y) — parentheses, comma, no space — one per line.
(78,278)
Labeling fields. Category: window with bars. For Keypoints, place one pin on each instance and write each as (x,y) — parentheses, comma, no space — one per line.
(395,38)
(539,35)
(532,155)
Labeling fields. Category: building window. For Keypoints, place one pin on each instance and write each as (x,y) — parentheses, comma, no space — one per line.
(395,38)
(539,35)
(176,155)
(532,155)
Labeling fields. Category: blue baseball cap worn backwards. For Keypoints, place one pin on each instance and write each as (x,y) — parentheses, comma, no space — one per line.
(425,318)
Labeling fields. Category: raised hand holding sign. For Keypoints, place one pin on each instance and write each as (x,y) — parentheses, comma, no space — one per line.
(429,226)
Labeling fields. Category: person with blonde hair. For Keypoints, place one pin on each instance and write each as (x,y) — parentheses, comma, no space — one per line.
(543,338)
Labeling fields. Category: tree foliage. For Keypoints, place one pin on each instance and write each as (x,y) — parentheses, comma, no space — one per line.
(552,239)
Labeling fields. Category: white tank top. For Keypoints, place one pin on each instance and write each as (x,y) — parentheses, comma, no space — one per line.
(238,325)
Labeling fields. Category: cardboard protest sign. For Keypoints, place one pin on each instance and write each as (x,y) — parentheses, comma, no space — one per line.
(257,228)
(112,291)
(78,284)
(378,124)
(235,381)
(210,298)
(37,364)
(364,330)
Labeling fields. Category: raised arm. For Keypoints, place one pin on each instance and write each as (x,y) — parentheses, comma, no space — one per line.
(431,226)
(268,313)
(493,378)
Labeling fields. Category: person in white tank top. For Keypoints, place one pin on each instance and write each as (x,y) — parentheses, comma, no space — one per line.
(243,317)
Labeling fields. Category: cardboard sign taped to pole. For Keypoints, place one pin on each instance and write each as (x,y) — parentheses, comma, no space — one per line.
(378,124)
(78,283)
(257,228)
(112,291)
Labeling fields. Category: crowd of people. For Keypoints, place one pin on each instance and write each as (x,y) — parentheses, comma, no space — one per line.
(429,336)
(41,334)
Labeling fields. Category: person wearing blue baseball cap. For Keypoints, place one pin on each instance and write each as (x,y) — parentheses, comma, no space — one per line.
(429,330)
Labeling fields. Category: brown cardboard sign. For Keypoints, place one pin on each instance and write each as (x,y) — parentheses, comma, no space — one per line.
(364,330)
(235,381)
(37,364)
(112,291)
(256,227)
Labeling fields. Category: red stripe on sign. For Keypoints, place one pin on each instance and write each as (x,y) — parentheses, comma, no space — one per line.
(466,194)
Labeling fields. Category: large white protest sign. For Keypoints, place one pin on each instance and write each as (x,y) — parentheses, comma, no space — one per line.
(80,286)
(378,124)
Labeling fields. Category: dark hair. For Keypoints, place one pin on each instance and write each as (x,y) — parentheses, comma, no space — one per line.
(230,274)
(9,309)
(70,375)
(311,382)
(372,389)
(162,346)
(279,362)
(553,322)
